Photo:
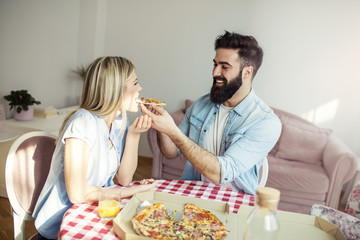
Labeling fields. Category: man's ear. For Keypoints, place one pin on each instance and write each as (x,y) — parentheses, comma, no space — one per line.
(247,72)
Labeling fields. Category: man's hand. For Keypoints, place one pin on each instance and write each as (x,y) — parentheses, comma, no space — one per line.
(161,119)
(164,124)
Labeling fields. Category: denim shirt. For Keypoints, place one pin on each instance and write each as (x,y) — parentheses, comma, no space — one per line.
(250,133)
(54,201)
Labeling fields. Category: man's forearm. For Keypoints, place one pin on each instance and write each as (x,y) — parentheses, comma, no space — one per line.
(167,147)
(203,161)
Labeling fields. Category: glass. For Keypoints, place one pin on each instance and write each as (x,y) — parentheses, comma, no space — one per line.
(109,204)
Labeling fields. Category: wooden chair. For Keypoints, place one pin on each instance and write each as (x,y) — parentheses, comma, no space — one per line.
(27,167)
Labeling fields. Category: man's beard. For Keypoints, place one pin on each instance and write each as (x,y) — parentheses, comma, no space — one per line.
(225,92)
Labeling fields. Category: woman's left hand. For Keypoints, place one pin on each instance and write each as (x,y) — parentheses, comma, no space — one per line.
(140,124)
(148,184)
(147,181)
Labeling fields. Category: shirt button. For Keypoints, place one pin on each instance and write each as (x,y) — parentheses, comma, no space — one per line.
(205,130)
(229,122)
(226,179)
(214,112)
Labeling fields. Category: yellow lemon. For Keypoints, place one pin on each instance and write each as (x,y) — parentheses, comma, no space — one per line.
(108,208)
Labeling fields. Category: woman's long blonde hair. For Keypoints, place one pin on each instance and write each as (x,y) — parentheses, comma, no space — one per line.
(104,86)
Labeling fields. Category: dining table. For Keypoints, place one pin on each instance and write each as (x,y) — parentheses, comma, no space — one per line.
(82,221)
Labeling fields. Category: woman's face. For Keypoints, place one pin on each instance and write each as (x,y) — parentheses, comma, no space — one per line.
(132,90)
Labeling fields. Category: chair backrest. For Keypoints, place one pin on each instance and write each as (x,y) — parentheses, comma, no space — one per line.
(264,171)
(27,167)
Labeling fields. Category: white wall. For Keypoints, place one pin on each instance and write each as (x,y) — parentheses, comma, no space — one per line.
(312,60)
(38,46)
(311,49)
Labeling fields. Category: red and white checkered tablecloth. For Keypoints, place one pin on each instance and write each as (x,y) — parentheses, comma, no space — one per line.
(82,221)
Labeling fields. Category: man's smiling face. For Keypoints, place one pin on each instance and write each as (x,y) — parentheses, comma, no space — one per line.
(226,74)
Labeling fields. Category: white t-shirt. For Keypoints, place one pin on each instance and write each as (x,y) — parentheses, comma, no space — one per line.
(212,139)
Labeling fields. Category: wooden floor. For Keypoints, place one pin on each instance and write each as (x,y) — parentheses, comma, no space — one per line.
(6,221)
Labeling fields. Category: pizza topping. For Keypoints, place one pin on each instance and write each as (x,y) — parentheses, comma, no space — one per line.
(153,232)
(196,223)
(159,215)
(150,101)
(197,233)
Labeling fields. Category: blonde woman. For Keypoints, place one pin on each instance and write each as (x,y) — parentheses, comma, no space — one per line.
(95,144)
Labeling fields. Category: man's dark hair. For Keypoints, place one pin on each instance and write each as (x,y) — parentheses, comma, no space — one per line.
(250,52)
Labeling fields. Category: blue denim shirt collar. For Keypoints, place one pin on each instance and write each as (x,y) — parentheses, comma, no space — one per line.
(244,104)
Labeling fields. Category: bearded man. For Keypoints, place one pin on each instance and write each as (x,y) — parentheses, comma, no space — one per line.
(227,134)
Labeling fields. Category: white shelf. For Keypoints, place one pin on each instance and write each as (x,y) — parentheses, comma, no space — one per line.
(50,124)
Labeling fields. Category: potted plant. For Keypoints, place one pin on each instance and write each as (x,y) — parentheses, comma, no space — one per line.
(22,102)
(81,71)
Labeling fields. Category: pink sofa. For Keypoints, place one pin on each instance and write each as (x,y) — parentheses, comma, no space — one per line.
(308,164)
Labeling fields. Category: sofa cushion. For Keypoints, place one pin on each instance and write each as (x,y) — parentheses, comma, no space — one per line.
(300,139)
(302,144)
(297,176)
(172,168)
(178,117)
(274,150)
(188,103)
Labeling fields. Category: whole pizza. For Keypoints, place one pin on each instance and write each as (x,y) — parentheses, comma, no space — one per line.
(196,223)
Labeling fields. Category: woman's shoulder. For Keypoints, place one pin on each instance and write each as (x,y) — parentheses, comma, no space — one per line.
(84,119)
(84,125)
(84,115)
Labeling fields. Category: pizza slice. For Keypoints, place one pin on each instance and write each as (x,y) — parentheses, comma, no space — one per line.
(200,223)
(154,221)
(150,101)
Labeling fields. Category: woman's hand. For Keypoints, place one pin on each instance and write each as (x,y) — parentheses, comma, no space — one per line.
(140,124)
(147,181)
(145,185)
(148,184)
